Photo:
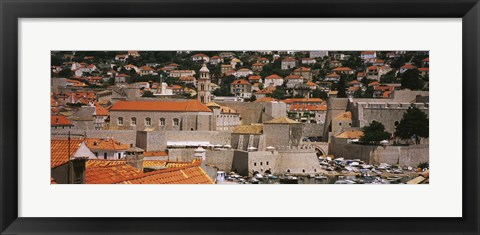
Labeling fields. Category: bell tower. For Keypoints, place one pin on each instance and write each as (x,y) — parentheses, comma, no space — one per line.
(203,86)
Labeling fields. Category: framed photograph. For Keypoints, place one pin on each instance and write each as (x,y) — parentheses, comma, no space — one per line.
(203,117)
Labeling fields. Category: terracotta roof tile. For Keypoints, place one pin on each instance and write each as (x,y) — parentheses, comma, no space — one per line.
(57,120)
(342,69)
(273,76)
(104,144)
(188,174)
(344,116)
(352,134)
(59,154)
(163,106)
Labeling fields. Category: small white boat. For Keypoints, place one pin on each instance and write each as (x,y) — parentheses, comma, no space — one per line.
(258,176)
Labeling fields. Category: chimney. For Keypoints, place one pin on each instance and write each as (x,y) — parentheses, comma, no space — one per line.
(135,157)
(77,170)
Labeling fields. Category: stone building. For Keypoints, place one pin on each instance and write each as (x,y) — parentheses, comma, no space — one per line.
(241,88)
(289,63)
(203,86)
(282,131)
(304,72)
(225,118)
(180,115)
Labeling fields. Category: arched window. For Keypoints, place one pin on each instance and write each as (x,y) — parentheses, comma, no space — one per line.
(202,99)
(202,87)
(396,123)
(148,121)
(176,121)
(133,121)
(120,121)
(162,121)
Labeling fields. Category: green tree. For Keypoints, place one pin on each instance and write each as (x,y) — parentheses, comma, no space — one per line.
(411,80)
(374,133)
(319,94)
(342,87)
(148,94)
(65,73)
(414,124)
(253,98)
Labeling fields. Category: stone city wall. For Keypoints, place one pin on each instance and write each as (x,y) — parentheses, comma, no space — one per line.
(124,136)
(223,159)
(312,129)
(395,155)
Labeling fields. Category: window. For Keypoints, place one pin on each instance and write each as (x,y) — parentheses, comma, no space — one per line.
(254,164)
(148,121)
(175,121)
(339,124)
(120,121)
(133,121)
(96,154)
(261,163)
(267,163)
(396,123)
(119,155)
(104,155)
(202,87)
(162,121)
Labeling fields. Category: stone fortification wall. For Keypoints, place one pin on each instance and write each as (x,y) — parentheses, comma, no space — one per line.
(124,136)
(396,155)
(312,129)
(222,159)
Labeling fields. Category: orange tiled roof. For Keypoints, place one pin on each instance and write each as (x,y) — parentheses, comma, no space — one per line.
(372,67)
(354,82)
(344,116)
(109,174)
(146,68)
(368,52)
(352,134)
(354,88)
(264,91)
(199,55)
(408,66)
(240,82)
(311,83)
(332,75)
(57,120)
(289,59)
(59,154)
(100,110)
(155,154)
(190,78)
(342,69)
(52,181)
(426,59)
(273,76)
(374,83)
(162,106)
(293,77)
(104,144)
(423,69)
(265,99)
(258,64)
(383,88)
(308,107)
(254,77)
(387,94)
(302,69)
(189,174)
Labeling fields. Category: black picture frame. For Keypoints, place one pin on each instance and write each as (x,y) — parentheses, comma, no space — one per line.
(12,10)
